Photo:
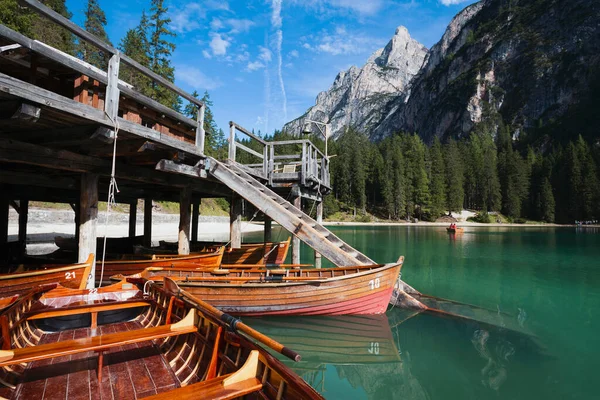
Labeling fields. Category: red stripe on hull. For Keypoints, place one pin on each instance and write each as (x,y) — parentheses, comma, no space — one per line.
(375,303)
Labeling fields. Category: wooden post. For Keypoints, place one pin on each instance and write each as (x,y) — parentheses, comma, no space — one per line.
(185,198)
(195,215)
(235,222)
(23,211)
(88,201)
(268,229)
(295,240)
(111,100)
(148,222)
(200,133)
(4,211)
(319,221)
(231,141)
(132,218)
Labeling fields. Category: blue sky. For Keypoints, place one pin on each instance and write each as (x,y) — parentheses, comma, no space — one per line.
(264,61)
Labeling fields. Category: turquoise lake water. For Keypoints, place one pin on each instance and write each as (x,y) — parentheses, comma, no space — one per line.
(536,334)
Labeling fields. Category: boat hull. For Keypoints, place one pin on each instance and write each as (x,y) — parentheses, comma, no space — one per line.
(131,267)
(365,292)
(71,276)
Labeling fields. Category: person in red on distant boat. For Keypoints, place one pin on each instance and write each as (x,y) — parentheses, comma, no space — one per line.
(452,225)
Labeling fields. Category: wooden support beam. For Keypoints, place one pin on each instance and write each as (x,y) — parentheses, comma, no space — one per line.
(319,221)
(88,221)
(12,151)
(200,132)
(4,210)
(27,113)
(297,201)
(59,103)
(148,222)
(195,215)
(77,208)
(184,221)
(15,206)
(23,211)
(268,229)
(183,169)
(235,222)
(132,218)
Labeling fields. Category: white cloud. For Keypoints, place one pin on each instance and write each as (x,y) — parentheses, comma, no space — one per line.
(294,54)
(190,17)
(219,44)
(360,8)
(276,14)
(341,41)
(195,78)
(206,54)
(452,2)
(254,66)
(239,25)
(265,54)
(216,24)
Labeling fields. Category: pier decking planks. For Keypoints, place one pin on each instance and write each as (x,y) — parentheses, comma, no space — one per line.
(125,375)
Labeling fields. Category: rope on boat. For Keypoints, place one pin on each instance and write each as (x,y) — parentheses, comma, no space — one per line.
(112,186)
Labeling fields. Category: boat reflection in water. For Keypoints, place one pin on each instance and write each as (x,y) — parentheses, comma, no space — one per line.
(405,355)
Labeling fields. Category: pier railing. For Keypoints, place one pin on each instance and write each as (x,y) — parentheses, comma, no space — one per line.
(103,90)
(305,164)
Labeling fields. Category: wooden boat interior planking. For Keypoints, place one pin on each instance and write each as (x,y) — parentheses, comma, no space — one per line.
(170,344)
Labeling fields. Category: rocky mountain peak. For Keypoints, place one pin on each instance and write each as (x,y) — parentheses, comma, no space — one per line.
(356,92)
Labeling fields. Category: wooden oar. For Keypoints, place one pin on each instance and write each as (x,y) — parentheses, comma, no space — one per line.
(171,286)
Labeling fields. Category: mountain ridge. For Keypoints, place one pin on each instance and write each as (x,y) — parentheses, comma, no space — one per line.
(529,64)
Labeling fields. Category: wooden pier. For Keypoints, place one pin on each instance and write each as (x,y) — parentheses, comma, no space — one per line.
(60,118)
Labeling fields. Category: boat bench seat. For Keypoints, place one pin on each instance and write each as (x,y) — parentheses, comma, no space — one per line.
(97,343)
(94,309)
(232,386)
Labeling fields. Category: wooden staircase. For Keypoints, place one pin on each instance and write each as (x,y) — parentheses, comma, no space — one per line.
(289,217)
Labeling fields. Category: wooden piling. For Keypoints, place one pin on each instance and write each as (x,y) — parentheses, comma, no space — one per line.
(195,215)
(235,222)
(319,221)
(88,202)
(148,222)
(295,240)
(132,218)
(268,229)
(23,216)
(4,209)
(185,198)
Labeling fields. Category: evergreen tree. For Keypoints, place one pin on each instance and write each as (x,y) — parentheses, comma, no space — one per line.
(95,21)
(547,204)
(454,177)
(160,49)
(589,185)
(16,17)
(135,45)
(513,172)
(215,143)
(438,180)
(49,32)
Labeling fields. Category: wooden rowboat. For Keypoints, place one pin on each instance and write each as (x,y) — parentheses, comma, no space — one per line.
(455,230)
(248,253)
(174,348)
(256,292)
(73,276)
(137,264)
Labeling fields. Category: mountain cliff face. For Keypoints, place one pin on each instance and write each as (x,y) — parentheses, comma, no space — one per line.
(360,96)
(530,64)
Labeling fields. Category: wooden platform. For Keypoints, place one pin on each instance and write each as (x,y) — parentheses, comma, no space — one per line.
(132,375)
